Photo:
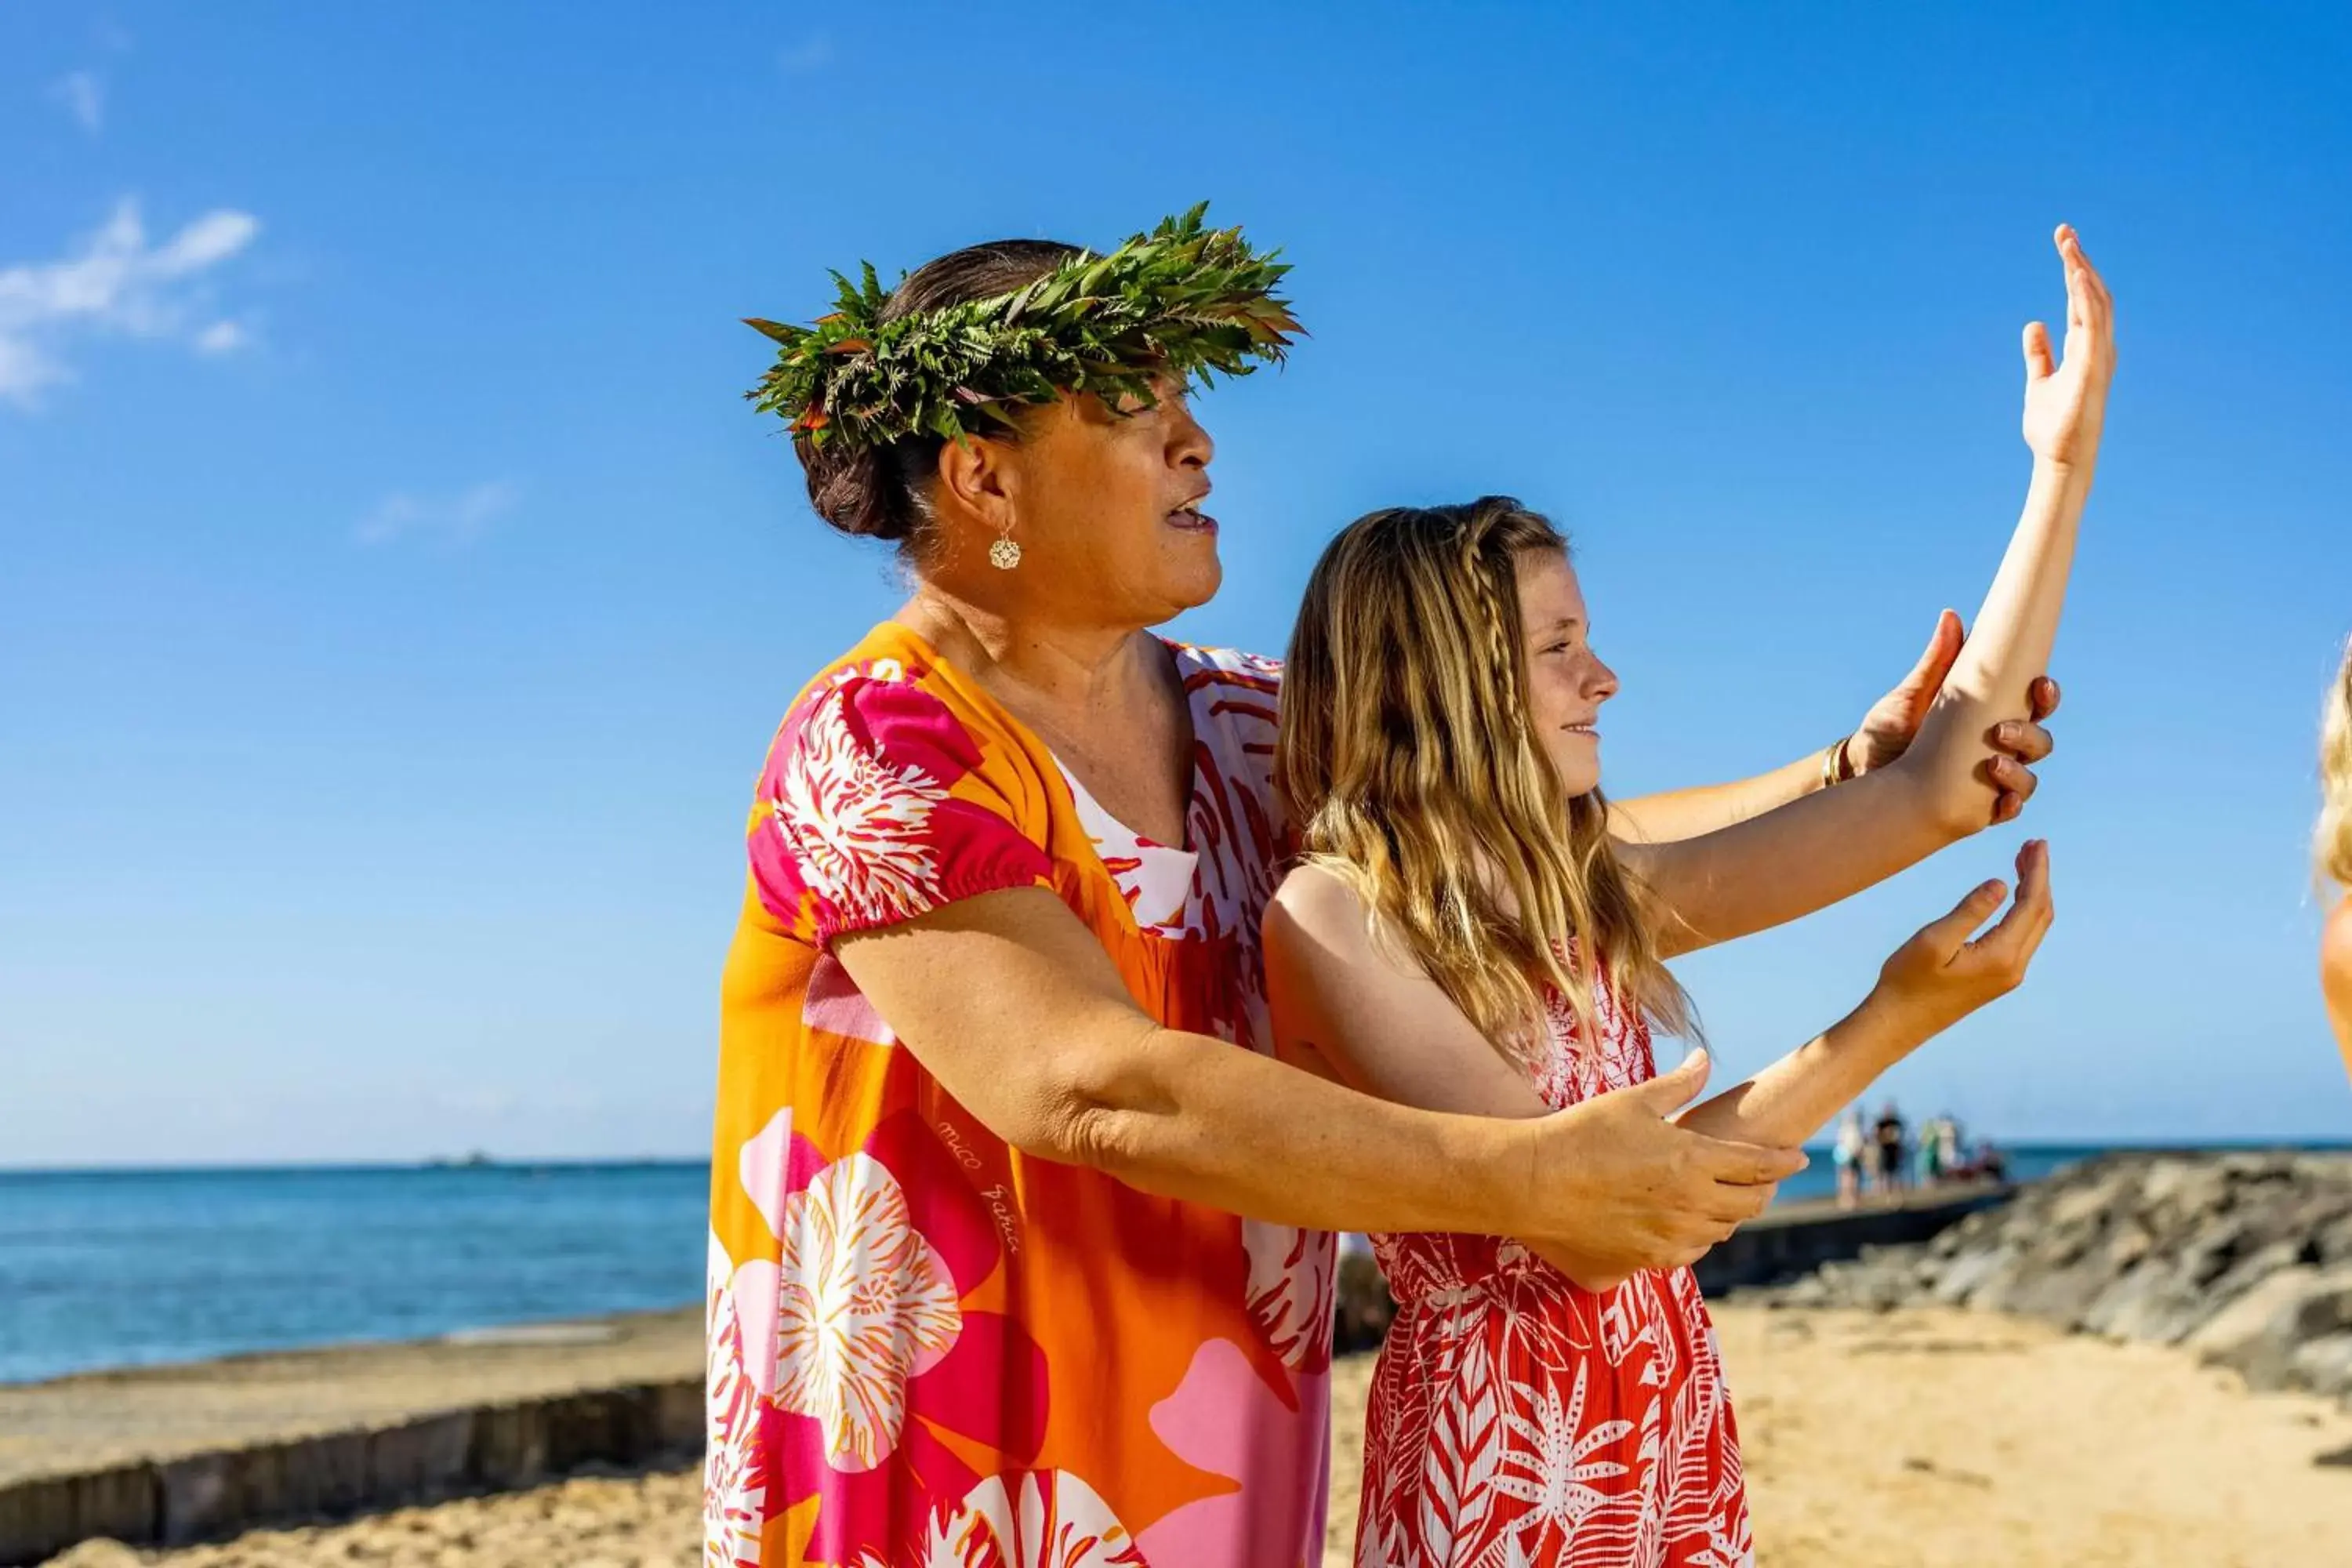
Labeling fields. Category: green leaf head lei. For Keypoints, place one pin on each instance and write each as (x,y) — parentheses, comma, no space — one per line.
(1183,300)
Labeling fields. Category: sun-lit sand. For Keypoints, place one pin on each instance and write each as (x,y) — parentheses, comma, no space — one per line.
(1920,1438)
(1926,1437)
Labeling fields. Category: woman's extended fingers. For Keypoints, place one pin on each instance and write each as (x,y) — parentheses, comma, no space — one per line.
(1728,1163)
(2022,738)
(2016,782)
(1735,1205)
(2029,744)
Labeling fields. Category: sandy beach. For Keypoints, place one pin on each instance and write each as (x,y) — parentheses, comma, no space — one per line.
(1921,1436)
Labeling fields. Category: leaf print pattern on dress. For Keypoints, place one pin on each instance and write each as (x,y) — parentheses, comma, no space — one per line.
(1552,1467)
(1293,1285)
(1599,1420)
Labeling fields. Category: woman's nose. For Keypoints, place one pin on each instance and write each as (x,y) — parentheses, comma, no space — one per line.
(1188,445)
(1603,685)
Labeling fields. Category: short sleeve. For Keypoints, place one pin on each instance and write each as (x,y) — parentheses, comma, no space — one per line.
(873,809)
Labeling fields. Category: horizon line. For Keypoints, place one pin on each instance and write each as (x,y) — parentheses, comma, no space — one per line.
(489,1162)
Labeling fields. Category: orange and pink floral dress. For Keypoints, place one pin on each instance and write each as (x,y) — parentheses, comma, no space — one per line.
(1520,1421)
(927,1347)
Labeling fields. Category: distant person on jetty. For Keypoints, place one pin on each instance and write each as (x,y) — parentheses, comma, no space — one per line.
(1847,1156)
(1891,1145)
(983,1132)
(1945,1137)
(1465,934)
(2332,844)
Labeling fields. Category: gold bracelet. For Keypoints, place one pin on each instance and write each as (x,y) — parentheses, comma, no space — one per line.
(1834,770)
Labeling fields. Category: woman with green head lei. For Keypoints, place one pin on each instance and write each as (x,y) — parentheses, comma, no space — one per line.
(1020,1241)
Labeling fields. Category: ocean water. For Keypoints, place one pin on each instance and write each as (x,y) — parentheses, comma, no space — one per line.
(2027,1163)
(119,1268)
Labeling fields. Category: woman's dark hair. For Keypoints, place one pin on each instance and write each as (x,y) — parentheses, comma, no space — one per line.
(881,493)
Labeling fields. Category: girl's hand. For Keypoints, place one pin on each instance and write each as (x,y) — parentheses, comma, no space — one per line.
(2066,403)
(1939,976)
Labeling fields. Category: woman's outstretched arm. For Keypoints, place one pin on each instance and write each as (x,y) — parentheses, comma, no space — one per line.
(1347,1006)
(1885,734)
(1830,845)
(1014,1008)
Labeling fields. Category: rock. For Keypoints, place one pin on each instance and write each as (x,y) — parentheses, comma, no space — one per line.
(2226,1338)
(98,1553)
(2245,1257)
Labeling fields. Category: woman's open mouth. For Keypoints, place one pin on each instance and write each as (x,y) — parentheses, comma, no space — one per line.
(1192,518)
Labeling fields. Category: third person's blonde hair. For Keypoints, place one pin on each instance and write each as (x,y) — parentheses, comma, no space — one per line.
(2331,841)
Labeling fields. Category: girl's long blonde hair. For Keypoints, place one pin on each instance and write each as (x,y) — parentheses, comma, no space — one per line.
(1406,759)
(2331,843)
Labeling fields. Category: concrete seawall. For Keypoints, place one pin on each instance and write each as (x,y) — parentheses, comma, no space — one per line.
(1797,1238)
(166,1455)
(1789,1240)
(490,1448)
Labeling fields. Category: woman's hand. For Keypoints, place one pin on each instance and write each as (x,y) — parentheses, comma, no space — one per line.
(2066,402)
(1621,1187)
(1939,976)
(1892,722)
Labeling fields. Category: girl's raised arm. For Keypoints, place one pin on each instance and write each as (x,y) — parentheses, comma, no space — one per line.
(1827,846)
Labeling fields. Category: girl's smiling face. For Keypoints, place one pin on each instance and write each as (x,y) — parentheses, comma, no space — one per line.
(1567,682)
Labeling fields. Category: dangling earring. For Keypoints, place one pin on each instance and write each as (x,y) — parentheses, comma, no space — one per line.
(1005,554)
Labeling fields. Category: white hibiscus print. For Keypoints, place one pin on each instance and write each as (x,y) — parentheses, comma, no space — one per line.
(854,824)
(1046,1519)
(864,1303)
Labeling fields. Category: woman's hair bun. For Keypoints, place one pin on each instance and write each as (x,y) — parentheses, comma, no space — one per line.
(871,494)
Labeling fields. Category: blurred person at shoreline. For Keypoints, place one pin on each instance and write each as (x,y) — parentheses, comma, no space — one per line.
(1847,1154)
(1891,1144)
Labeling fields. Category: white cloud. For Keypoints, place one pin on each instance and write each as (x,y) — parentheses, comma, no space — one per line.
(223,337)
(116,282)
(804,58)
(84,96)
(457,520)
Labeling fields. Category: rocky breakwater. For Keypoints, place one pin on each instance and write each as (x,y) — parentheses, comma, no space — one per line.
(2244,1258)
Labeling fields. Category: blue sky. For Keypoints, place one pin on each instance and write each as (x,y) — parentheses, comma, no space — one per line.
(395,595)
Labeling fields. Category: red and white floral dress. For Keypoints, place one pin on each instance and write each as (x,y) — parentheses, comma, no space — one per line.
(1518,1419)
